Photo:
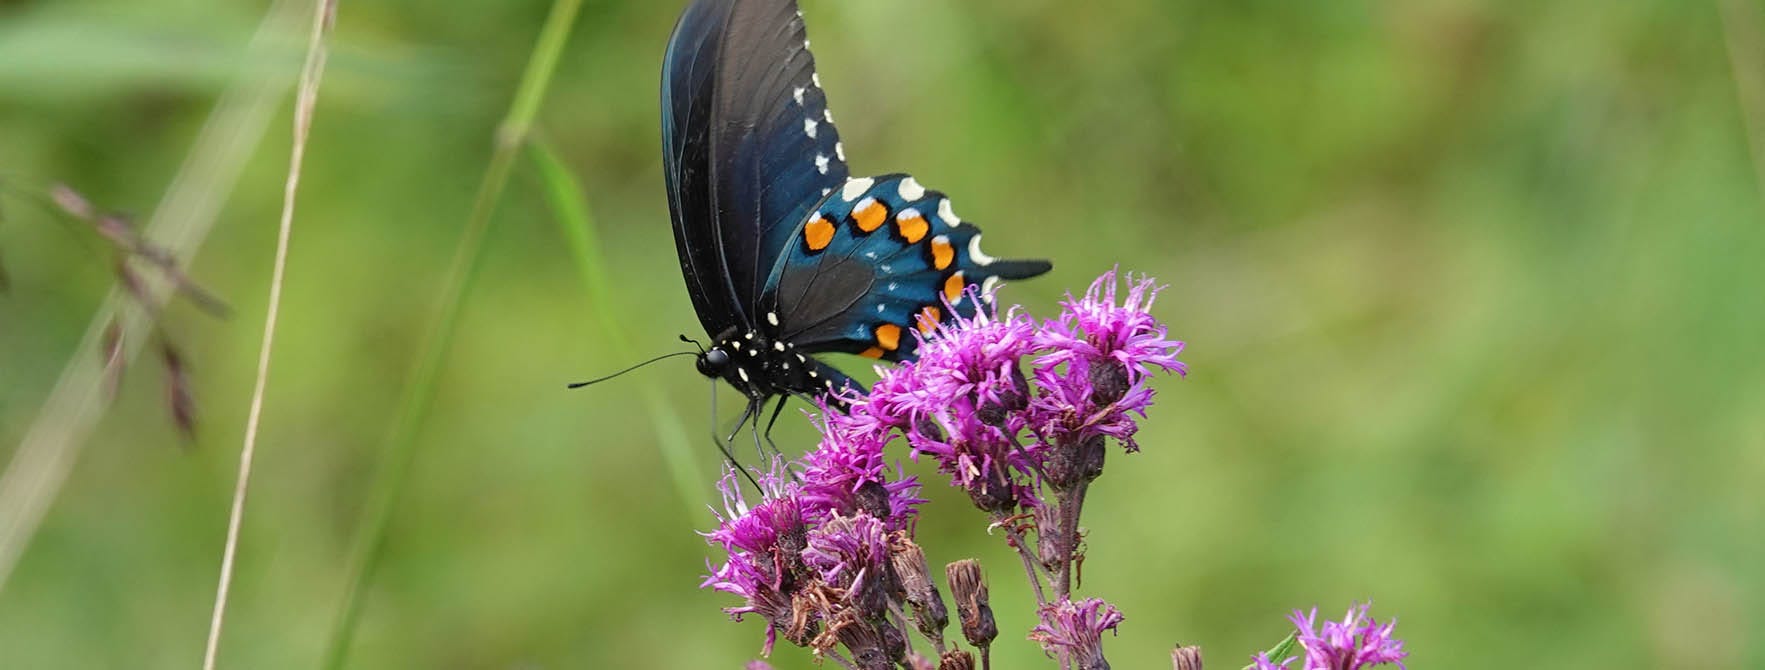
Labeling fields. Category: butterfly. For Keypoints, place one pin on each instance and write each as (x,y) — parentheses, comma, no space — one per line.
(785,255)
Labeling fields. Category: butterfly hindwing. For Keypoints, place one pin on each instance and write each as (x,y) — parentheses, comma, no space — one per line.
(749,148)
(876,258)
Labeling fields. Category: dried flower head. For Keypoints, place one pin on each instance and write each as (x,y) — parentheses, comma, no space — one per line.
(956,659)
(968,586)
(910,566)
(1186,658)
(1074,631)
(851,553)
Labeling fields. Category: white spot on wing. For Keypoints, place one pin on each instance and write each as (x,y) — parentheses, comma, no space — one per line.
(989,284)
(798,94)
(894,286)
(948,214)
(911,190)
(879,309)
(779,346)
(805,45)
(809,128)
(856,187)
(975,254)
(815,78)
(870,255)
(827,114)
(907,214)
(839,149)
(742,373)
(821,164)
(772,318)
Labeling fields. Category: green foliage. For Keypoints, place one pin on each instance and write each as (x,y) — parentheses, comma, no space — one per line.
(1471,291)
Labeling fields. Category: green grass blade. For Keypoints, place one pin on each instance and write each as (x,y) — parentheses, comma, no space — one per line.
(419,394)
(1281,650)
(563,191)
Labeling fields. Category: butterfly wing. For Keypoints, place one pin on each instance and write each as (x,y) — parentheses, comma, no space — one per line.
(749,148)
(877,257)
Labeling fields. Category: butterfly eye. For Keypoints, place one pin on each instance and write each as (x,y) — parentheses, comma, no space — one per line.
(713,362)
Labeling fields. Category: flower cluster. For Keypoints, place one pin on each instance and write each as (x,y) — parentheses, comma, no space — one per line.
(1351,644)
(1017,413)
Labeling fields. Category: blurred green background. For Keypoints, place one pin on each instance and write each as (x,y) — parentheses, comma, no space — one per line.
(1472,292)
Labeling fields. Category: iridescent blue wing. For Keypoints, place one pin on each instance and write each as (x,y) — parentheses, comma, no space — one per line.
(878,257)
(748,148)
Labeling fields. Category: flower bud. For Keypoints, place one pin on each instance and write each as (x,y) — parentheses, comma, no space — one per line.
(1072,463)
(928,428)
(929,614)
(1109,381)
(1186,658)
(968,586)
(873,498)
(957,660)
(868,645)
(1053,546)
(993,492)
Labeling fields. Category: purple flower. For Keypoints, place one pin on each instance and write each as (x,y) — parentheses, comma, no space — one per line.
(847,473)
(764,543)
(978,357)
(962,402)
(1353,643)
(1075,631)
(1261,662)
(1100,355)
(851,553)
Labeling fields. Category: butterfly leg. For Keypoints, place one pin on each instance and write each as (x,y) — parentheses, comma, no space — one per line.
(723,445)
(776,410)
(756,406)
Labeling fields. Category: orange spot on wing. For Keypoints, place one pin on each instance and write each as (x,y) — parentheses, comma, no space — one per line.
(929,317)
(913,227)
(818,233)
(942,253)
(870,215)
(888,336)
(872,352)
(953,287)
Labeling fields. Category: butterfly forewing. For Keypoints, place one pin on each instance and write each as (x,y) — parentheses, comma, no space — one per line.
(749,148)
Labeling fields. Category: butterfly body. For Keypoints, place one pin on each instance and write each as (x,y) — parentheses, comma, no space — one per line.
(784,254)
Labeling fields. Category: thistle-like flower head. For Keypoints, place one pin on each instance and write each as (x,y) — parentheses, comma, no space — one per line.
(847,473)
(851,553)
(764,542)
(1100,353)
(1074,630)
(1355,642)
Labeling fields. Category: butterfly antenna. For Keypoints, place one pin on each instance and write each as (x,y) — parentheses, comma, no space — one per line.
(693,342)
(578,385)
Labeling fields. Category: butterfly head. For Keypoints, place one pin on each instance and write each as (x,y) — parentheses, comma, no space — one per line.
(714,362)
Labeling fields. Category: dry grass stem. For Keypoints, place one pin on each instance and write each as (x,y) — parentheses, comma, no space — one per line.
(312,72)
